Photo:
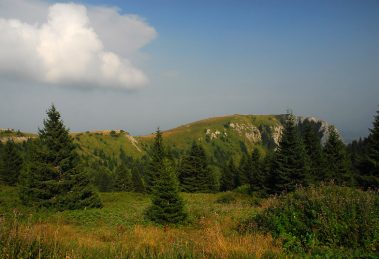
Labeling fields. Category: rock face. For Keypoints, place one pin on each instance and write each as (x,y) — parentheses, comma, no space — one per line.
(254,135)
(211,135)
(250,132)
(323,126)
(133,141)
(276,132)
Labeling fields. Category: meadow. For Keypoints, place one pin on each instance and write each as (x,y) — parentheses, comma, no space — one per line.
(120,230)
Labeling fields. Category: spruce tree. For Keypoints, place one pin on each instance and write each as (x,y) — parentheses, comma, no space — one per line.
(237,179)
(369,175)
(167,205)
(227,177)
(313,148)
(123,179)
(54,177)
(156,154)
(137,180)
(244,169)
(194,172)
(290,165)
(337,163)
(257,175)
(11,164)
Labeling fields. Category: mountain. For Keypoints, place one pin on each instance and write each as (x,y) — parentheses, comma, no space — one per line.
(222,137)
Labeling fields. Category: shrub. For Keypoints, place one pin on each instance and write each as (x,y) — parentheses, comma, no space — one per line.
(324,217)
(226,199)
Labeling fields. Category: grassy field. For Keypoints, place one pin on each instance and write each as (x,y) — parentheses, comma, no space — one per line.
(119,230)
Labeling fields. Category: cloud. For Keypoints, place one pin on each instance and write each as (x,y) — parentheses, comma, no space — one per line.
(73,45)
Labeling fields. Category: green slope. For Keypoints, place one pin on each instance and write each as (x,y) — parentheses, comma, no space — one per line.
(222,137)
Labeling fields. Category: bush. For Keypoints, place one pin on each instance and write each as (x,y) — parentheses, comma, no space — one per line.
(226,199)
(322,218)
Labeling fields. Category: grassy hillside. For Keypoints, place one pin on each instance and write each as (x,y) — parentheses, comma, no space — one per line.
(119,230)
(221,137)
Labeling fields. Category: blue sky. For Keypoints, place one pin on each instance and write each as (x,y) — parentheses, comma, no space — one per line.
(208,58)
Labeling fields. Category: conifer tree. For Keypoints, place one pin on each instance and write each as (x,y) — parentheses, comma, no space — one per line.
(156,153)
(11,164)
(194,172)
(244,169)
(257,175)
(123,179)
(313,149)
(290,165)
(167,205)
(337,163)
(53,176)
(227,177)
(369,174)
(137,180)
(237,179)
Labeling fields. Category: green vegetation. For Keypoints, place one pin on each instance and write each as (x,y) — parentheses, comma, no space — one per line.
(321,219)
(54,212)
(290,166)
(120,230)
(337,167)
(365,157)
(53,177)
(194,173)
(10,164)
(167,206)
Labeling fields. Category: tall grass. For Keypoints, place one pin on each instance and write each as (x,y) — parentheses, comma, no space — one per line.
(120,231)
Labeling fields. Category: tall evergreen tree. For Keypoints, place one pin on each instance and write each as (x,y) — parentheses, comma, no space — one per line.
(123,179)
(156,153)
(137,180)
(54,177)
(257,175)
(11,164)
(313,148)
(227,177)
(290,166)
(194,172)
(167,205)
(370,178)
(337,162)
(244,169)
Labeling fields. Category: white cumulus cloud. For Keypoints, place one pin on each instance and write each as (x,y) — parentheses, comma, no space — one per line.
(72,45)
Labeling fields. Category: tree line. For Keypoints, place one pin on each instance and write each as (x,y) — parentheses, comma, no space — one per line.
(50,173)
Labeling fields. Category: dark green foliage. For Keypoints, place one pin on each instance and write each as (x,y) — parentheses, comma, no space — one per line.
(226,199)
(53,176)
(313,149)
(257,174)
(156,155)
(123,179)
(227,177)
(322,218)
(103,179)
(194,173)
(137,181)
(10,164)
(290,165)
(337,163)
(167,206)
(369,164)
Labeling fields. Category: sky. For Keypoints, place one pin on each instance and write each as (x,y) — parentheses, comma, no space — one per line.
(139,64)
